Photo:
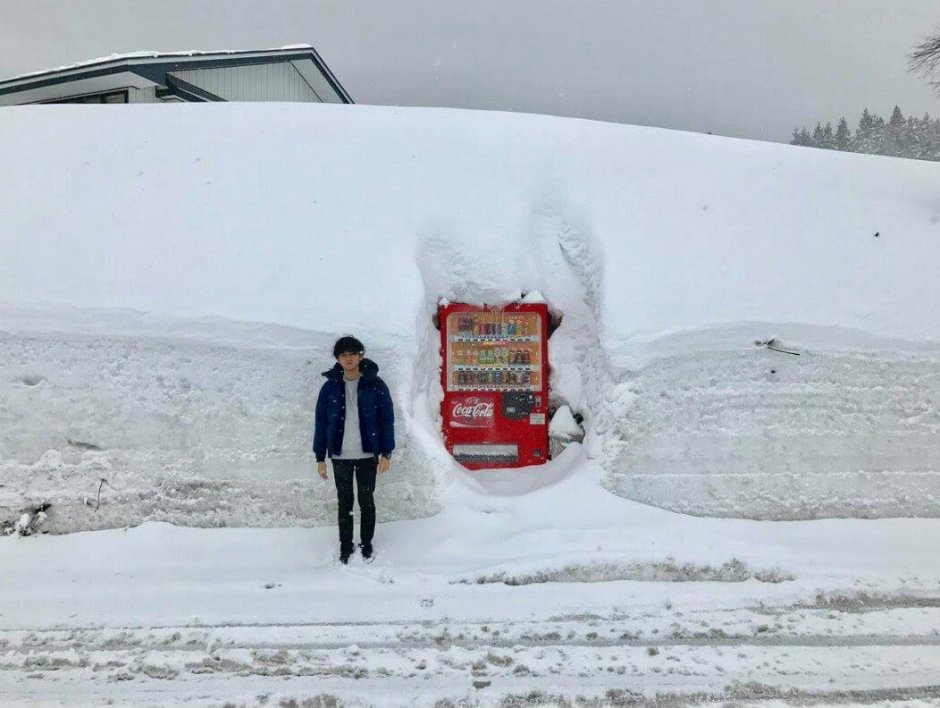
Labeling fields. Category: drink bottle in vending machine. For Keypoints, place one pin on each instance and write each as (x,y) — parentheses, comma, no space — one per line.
(495,380)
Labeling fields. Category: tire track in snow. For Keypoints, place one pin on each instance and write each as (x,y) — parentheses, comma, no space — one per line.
(761,653)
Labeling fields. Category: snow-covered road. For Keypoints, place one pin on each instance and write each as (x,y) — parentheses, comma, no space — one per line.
(856,649)
(598,601)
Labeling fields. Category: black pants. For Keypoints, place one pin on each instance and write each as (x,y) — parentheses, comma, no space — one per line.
(364,472)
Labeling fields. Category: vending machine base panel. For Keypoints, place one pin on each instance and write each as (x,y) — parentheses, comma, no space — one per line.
(495,453)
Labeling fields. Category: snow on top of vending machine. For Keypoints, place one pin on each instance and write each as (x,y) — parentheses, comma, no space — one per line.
(533,297)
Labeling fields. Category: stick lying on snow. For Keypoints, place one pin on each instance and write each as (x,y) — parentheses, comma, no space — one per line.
(774,346)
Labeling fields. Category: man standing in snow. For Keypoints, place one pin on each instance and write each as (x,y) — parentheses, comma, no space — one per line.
(355,425)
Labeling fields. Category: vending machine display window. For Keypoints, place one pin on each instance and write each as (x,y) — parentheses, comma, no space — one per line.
(494,351)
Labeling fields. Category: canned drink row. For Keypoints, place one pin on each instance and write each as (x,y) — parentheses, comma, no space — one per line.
(491,355)
(496,378)
(496,325)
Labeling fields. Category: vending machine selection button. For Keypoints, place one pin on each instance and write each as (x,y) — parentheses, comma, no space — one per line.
(537,419)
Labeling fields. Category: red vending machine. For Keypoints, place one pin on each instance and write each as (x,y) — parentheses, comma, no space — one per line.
(495,379)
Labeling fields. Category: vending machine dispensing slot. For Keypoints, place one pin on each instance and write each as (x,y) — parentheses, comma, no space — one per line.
(493,455)
(495,380)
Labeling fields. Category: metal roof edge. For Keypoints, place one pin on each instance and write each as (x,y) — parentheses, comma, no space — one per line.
(145,62)
(151,57)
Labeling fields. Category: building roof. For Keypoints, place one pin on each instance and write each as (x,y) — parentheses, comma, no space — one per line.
(147,69)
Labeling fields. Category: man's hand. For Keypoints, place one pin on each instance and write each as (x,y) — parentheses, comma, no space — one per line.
(321,469)
(384,464)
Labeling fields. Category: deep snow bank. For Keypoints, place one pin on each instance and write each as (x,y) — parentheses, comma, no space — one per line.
(717,425)
(668,255)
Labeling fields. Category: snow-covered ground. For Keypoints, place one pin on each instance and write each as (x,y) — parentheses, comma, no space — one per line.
(528,590)
(172,279)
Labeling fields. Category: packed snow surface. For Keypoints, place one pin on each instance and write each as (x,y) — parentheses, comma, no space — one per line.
(746,329)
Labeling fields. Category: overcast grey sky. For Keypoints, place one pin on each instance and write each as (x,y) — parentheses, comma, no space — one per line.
(746,68)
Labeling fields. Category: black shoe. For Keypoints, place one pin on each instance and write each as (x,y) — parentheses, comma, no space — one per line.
(344,556)
(366,550)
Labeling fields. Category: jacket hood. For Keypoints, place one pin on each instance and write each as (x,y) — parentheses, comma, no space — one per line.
(368,368)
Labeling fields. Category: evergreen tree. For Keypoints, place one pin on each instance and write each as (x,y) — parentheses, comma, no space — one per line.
(843,136)
(892,142)
(866,125)
(900,136)
(819,138)
(865,132)
(911,138)
(933,139)
(870,134)
(878,137)
(897,118)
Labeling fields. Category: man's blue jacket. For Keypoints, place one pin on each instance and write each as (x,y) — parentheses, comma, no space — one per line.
(376,417)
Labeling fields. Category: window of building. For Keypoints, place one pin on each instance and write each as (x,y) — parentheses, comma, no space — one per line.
(109,97)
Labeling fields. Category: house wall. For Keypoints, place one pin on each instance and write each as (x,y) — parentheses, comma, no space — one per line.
(265,82)
(143,95)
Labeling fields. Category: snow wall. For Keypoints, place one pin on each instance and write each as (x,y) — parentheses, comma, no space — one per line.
(172,279)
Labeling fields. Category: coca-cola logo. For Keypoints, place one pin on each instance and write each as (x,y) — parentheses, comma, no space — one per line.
(473,412)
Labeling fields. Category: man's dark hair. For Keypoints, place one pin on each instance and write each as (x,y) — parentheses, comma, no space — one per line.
(347,344)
